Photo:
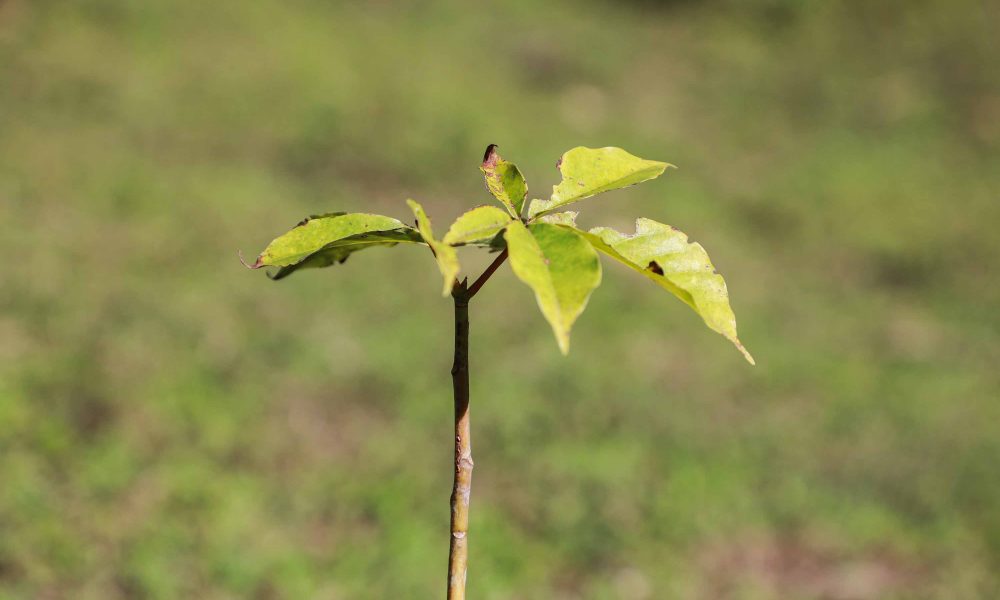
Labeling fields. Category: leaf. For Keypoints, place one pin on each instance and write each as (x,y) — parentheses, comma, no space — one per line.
(560,218)
(664,255)
(589,171)
(560,266)
(326,232)
(447,258)
(479,224)
(504,181)
(339,251)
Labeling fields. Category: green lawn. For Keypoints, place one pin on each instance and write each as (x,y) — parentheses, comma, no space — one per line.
(174,426)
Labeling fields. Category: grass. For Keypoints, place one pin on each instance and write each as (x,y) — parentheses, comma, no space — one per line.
(172,426)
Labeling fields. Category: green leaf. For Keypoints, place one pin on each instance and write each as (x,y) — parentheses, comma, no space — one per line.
(447,258)
(340,250)
(664,255)
(504,181)
(327,232)
(479,224)
(560,218)
(590,171)
(560,266)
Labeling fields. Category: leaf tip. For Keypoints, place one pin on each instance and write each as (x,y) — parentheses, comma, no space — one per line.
(256,265)
(450,284)
(490,157)
(746,354)
(562,339)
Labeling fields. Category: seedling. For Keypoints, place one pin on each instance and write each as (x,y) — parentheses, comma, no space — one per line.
(547,251)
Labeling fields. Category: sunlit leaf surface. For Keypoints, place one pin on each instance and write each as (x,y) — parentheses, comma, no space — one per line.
(482,223)
(559,218)
(664,254)
(590,171)
(504,181)
(560,266)
(327,239)
(339,251)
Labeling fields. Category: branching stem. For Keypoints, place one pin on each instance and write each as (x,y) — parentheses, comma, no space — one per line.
(487,273)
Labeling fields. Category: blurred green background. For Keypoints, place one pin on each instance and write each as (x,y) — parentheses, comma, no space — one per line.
(173,426)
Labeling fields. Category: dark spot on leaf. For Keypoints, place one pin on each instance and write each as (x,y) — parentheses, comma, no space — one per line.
(302,222)
(652,266)
(559,163)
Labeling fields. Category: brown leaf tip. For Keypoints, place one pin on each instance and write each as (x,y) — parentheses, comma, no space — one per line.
(491,157)
(256,265)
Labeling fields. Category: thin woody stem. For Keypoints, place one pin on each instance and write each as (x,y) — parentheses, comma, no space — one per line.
(458,555)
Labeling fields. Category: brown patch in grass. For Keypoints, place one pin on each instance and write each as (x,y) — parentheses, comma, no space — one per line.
(793,567)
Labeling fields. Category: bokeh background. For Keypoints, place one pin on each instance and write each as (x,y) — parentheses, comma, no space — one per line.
(174,426)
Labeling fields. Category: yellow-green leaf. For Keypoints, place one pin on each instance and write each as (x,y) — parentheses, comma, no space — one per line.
(590,171)
(339,251)
(560,218)
(504,181)
(447,258)
(320,233)
(479,224)
(664,255)
(560,266)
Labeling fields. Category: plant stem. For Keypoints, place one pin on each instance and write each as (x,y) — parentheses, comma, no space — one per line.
(458,556)
(482,279)
(458,553)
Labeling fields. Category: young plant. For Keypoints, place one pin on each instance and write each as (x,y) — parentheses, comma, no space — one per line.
(547,251)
